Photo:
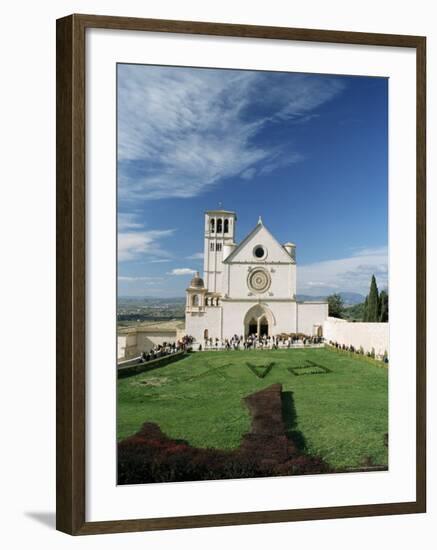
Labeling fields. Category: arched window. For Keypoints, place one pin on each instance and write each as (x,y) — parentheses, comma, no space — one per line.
(219,225)
(195,300)
(212,225)
(226,226)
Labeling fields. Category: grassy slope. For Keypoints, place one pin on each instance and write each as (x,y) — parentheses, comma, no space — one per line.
(341,416)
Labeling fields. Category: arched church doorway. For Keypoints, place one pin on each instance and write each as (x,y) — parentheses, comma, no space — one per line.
(263,327)
(205,334)
(259,320)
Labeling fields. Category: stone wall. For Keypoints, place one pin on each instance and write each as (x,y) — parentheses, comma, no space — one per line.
(132,341)
(127,345)
(146,340)
(210,320)
(310,316)
(366,335)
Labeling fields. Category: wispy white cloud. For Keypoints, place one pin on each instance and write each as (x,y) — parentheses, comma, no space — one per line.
(135,241)
(196,256)
(375,251)
(320,284)
(182,271)
(159,260)
(127,221)
(135,244)
(182,131)
(128,279)
(248,174)
(351,274)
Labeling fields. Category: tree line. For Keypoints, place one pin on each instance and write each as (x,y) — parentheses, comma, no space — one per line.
(373,310)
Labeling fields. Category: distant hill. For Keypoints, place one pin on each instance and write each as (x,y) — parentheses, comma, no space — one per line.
(349,298)
(151,299)
(352,298)
(135,309)
(354,313)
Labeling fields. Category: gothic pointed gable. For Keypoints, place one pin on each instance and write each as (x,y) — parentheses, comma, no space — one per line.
(260,237)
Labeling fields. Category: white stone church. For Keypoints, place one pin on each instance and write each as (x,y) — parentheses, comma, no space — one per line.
(247,288)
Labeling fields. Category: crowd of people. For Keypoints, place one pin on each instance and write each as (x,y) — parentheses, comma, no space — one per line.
(359,351)
(166,348)
(254,341)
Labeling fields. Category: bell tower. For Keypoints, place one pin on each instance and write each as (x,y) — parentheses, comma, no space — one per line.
(219,233)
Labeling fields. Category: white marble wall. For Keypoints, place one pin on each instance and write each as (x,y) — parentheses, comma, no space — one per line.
(310,315)
(127,346)
(211,319)
(134,343)
(284,316)
(367,335)
(147,340)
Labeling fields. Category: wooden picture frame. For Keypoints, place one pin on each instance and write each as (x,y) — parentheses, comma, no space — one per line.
(71,253)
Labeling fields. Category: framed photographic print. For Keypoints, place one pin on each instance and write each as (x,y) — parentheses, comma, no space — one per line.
(240,274)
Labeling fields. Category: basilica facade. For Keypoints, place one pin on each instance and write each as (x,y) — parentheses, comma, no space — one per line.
(247,288)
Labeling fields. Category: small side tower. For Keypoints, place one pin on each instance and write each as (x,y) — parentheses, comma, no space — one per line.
(195,295)
(291,249)
(219,233)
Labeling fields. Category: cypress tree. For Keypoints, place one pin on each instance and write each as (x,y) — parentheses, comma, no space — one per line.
(373,302)
(383,307)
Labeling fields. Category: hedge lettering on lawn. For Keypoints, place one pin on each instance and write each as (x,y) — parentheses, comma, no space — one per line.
(308,368)
(260,371)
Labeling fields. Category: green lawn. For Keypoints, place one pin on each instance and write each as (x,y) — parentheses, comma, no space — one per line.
(341,415)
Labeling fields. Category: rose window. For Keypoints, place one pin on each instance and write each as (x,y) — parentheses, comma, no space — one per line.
(259,280)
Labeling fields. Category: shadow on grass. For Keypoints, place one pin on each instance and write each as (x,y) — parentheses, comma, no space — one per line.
(289,416)
(272,447)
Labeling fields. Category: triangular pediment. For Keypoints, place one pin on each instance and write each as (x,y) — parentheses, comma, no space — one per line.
(260,236)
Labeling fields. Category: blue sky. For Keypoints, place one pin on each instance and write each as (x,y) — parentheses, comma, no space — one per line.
(308,153)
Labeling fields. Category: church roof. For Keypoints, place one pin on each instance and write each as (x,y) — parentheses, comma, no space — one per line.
(259,226)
